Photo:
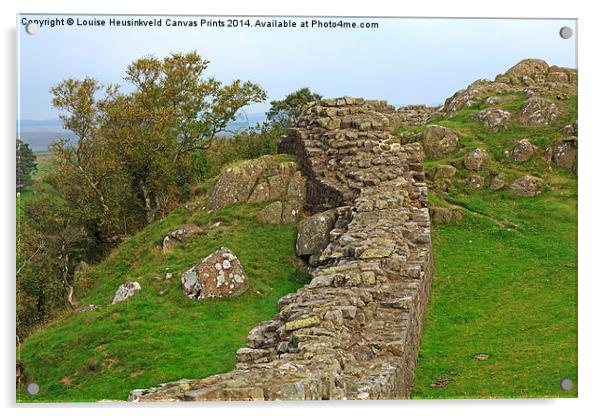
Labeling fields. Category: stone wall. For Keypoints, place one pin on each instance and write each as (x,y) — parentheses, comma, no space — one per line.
(353,332)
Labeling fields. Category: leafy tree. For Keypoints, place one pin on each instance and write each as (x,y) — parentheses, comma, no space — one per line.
(132,161)
(51,242)
(25,164)
(284,113)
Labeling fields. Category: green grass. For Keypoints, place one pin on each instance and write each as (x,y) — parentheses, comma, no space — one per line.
(509,293)
(159,335)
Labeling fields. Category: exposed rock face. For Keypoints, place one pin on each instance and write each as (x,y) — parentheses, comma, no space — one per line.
(495,119)
(272,214)
(219,274)
(256,181)
(353,332)
(531,76)
(126,291)
(563,153)
(439,140)
(527,186)
(475,182)
(476,159)
(445,171)
(183,233)
(538,111)
(440,215)
(474,94)
(526,72)
(522,151)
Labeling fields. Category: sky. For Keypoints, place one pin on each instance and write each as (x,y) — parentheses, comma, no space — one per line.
(404,60)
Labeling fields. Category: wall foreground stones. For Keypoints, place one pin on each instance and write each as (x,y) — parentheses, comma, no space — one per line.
(353,332)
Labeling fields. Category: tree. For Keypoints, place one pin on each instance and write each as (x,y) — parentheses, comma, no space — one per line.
(25,164)
(284,113)
(173,112)
(132,162)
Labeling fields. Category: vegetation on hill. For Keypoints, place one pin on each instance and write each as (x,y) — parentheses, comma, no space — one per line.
(159,334)
(505,281)
(136,157)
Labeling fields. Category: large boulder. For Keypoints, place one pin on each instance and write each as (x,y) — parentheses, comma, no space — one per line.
(439,140)
(538,111)
(522,151)
(476,159)
(313,233)
(563,153)
(440,215)
(526,72)
(475,182)
(126,291)
(527,186)
(235,184)
(494,118)
(220,274)
(272,214)
(445,171)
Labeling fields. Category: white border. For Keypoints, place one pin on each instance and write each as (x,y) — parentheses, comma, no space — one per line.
(590,108)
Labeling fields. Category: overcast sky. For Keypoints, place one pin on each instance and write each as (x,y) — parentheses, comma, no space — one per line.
(405,61)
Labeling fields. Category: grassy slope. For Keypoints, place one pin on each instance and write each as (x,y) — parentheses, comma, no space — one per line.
(159,335)
(511,294)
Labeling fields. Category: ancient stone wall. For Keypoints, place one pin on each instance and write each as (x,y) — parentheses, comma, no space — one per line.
(353,332)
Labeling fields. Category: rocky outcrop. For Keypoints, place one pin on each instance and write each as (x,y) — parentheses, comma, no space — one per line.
(445,171)
(440,215)
(563,153)
(220,274)
(439,141)
(476,160)
(259,180)
(125,291)
(475,182)
(538,111)
(522,151)
(531,76)
(353,331)
(494,119)
(527,186)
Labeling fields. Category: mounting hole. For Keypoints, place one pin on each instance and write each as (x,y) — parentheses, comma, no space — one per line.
(32,28)
(566,32)
(566,384)
(33,389)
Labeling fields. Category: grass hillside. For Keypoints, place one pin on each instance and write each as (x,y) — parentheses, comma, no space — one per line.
(505,285)
(505,279)
(160,335)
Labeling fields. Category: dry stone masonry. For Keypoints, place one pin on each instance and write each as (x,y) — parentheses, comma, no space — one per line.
(353,331)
